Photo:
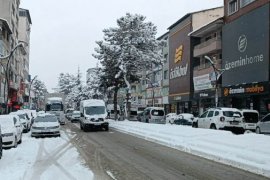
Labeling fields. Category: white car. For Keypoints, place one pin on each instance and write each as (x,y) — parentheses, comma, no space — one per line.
(170,117)
(11,130)
(25,120)
(45,125)
(263,126)
(1,145)
(220,118)
(251,117)
(187,116)
(75,116)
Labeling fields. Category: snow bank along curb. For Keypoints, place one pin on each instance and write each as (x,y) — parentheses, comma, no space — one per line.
(249,151)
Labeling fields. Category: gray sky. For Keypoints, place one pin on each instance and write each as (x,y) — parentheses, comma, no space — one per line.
(64,32)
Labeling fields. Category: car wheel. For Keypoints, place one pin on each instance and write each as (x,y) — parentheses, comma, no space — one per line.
(213,126)
(147,121)
(195,124)
(106,128)
(258,131)
(15,142)
(81,127)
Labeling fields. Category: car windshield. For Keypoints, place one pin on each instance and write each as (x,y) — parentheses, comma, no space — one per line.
(46,119)
(76,113)
(231,113)
(94,110)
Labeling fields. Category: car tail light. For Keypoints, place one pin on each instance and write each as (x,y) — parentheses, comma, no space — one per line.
(222,119)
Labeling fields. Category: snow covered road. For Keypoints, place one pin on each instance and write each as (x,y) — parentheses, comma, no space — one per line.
(249,151)
(44,158)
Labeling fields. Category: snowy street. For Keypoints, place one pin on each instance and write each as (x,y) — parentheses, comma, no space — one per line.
(135,150)
(44,158)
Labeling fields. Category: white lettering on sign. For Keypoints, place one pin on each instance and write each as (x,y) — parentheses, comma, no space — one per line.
(179,71)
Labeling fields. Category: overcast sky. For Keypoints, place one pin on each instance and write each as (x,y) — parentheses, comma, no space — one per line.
(64,32)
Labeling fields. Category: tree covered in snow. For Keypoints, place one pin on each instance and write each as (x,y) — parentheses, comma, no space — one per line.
(92,89)
(66,82)
(127,50)
(39,88)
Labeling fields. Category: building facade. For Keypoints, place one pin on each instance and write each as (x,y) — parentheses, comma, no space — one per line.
(180,58)
(245,84)
(16,66)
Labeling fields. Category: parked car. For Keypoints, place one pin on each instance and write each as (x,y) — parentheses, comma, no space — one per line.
(11,128)
(45,125)
(187,116)
(1,145)
(25,120)
(263,126)
(170,117)
(221,118)
(69,113)
(139,116)
(154,115)
(75,116)
(251,117)
(182,121)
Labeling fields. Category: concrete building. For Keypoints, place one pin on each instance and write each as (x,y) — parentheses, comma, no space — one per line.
(181,58)
(17,65)
(208,43)
(24,35)
(246,54)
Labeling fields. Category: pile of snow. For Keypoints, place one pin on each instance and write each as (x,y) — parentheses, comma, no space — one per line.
(43,158)
(249,151)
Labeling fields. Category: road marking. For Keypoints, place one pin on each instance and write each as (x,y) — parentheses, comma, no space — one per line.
(111,175)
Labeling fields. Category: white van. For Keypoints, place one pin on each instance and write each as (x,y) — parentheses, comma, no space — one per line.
(250,119)
(154,115)
(93,113)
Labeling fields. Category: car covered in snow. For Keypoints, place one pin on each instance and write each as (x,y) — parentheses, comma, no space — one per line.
(170,117)
(11,128)
(25,120)
(45,125)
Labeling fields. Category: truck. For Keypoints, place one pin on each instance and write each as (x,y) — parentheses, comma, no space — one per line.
(54,105)
(93,113)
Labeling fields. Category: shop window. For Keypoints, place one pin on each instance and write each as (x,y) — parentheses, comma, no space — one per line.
(243,3)
(232,6)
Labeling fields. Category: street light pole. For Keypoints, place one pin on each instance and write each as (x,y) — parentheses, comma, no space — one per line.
(218,73)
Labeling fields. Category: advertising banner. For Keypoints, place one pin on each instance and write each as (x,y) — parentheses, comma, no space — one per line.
(202,82)
(245,51)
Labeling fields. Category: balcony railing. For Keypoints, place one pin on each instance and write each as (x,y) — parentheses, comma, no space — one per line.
(207,47)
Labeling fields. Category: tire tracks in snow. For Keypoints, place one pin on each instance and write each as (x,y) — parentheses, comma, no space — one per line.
(45,159)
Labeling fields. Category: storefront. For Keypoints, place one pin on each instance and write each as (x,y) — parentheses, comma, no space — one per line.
(245,83)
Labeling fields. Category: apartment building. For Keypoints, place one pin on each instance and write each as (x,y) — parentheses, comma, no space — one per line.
(17,65)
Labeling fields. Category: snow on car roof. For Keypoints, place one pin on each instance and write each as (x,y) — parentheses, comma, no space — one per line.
(55,99)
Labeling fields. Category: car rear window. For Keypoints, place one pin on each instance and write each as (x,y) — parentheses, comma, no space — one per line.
(157,112)
(231,113)
(251,117)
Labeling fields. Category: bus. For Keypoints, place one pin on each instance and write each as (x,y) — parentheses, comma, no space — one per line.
(54,105)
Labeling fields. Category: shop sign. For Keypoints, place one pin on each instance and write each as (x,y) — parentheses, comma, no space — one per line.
(202,82)
(246,89)
(179,71)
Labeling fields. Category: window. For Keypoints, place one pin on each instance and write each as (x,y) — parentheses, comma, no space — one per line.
(216,113)
(232,7)
(266,118)
(166,74)
(204,114)
(245,2)
(210,114)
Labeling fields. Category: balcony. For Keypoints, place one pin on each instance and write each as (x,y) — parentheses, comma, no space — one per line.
(207,47)
(206,68)
(13,85)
